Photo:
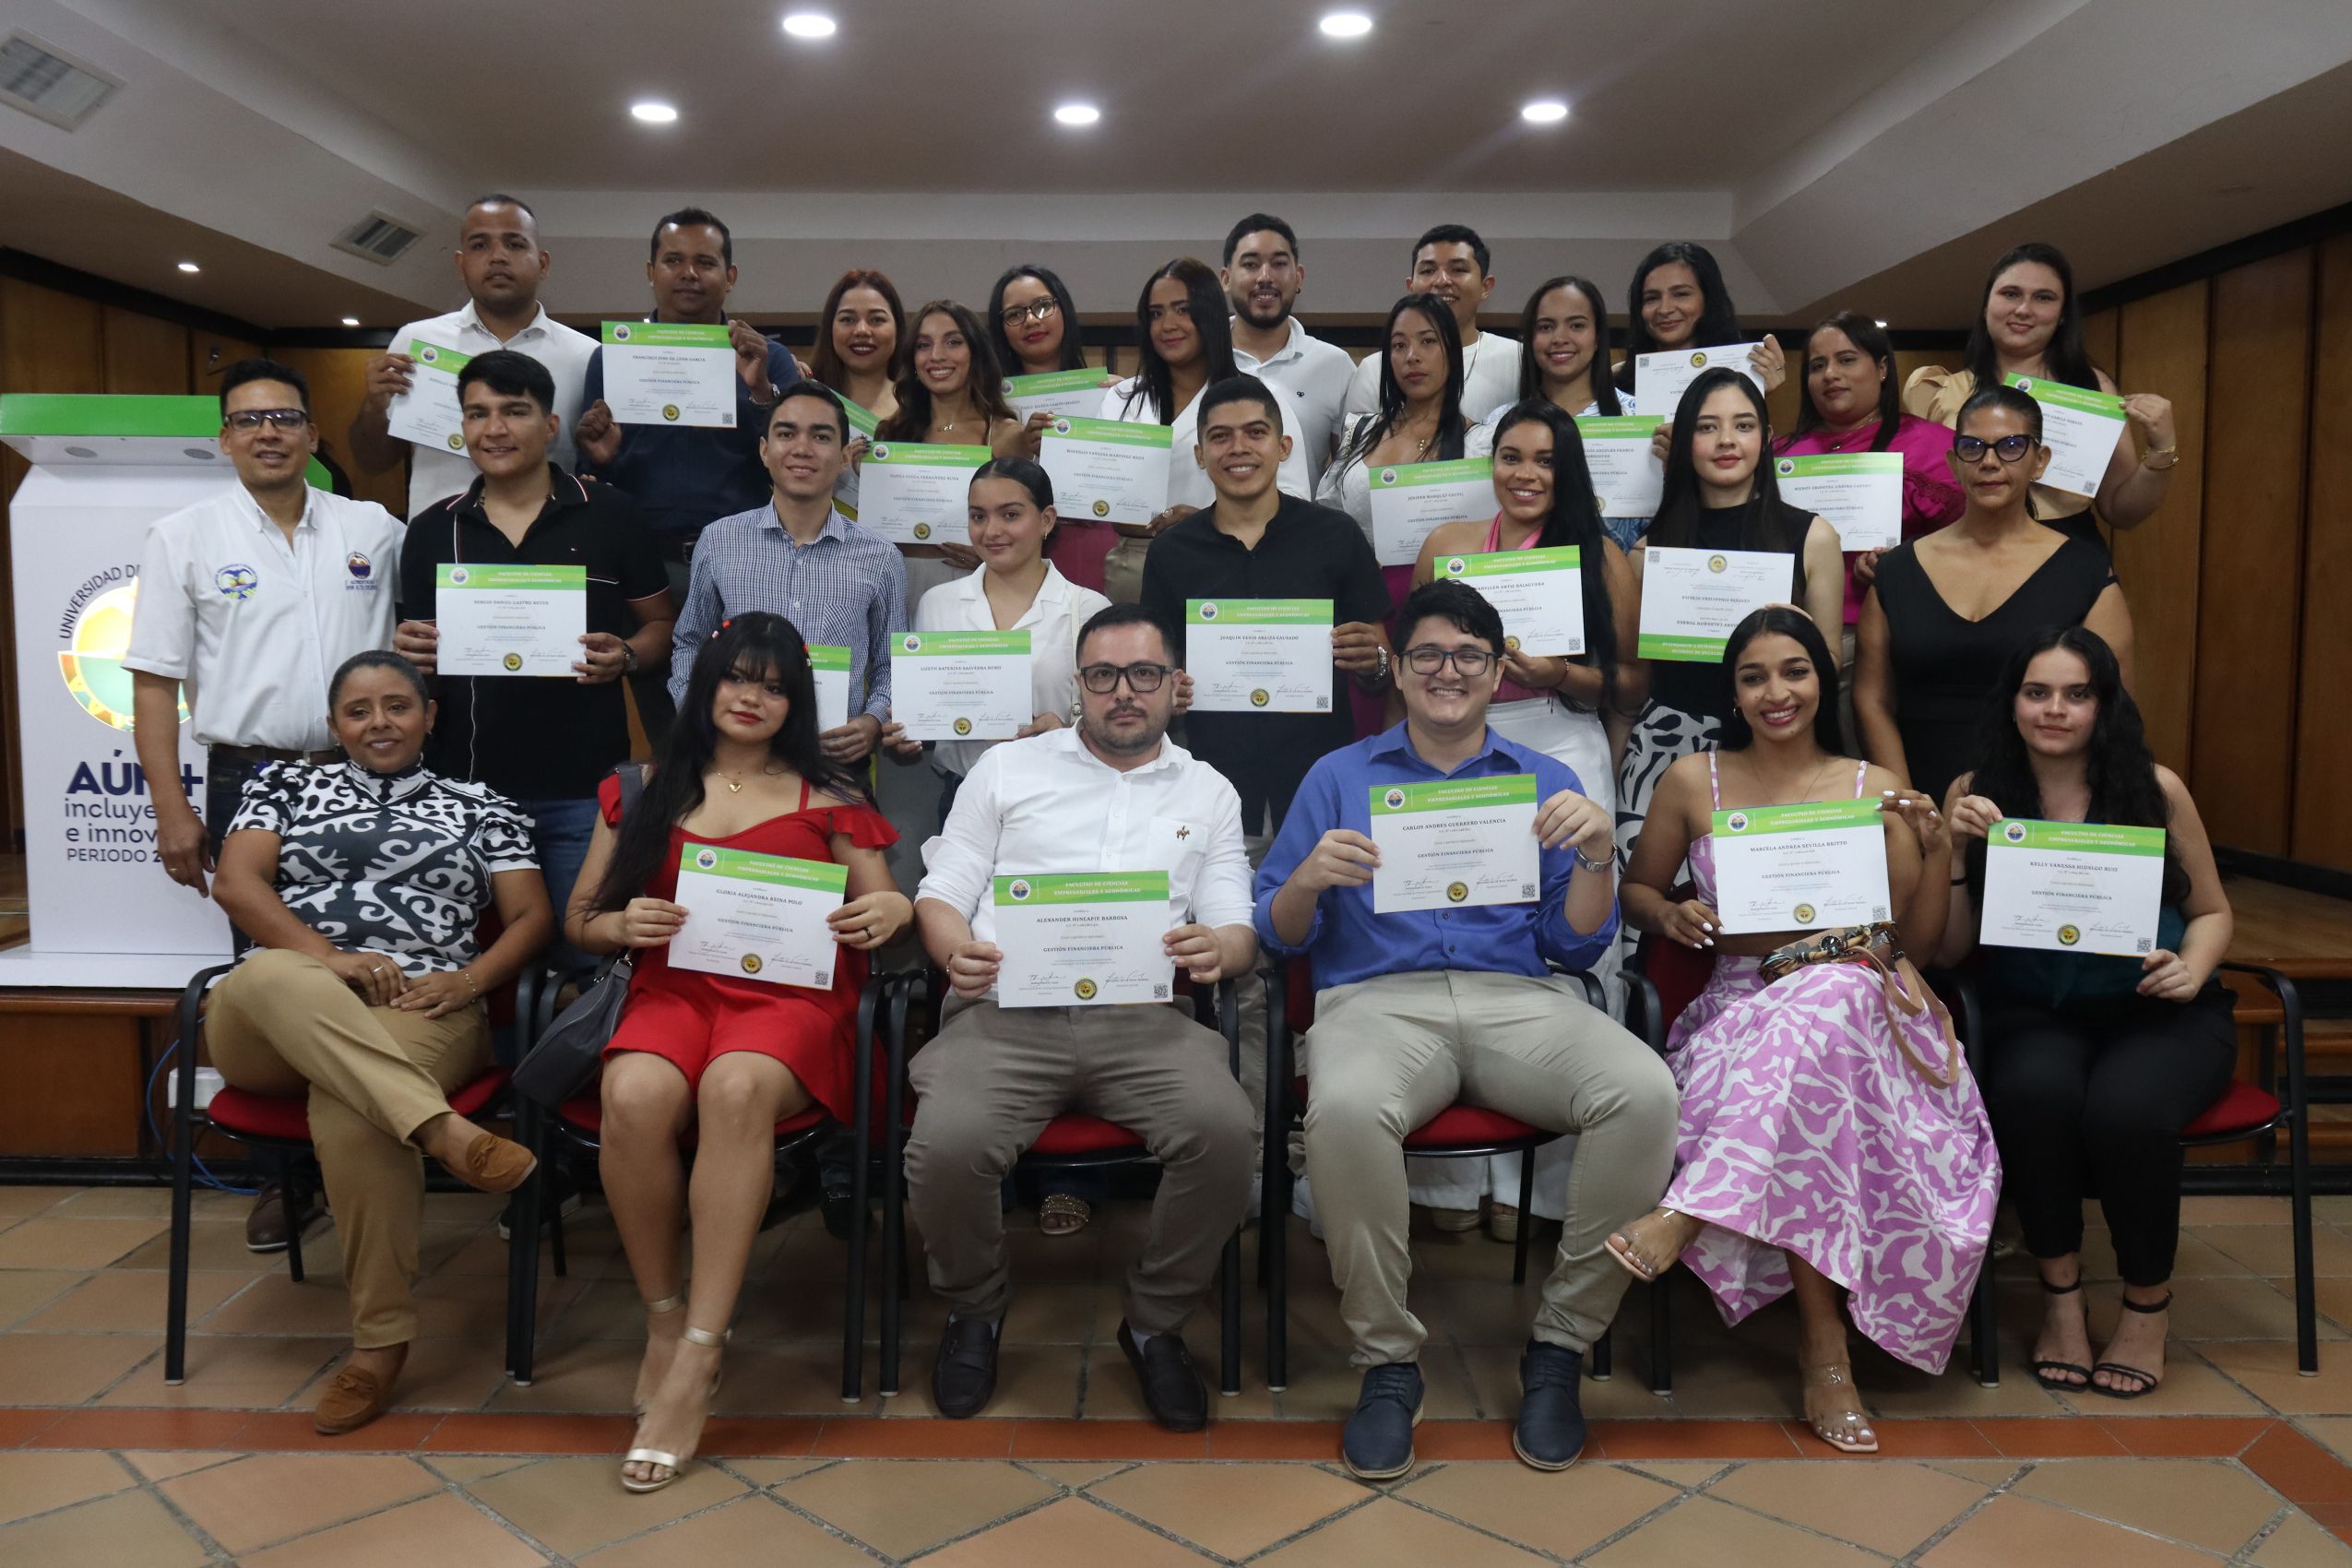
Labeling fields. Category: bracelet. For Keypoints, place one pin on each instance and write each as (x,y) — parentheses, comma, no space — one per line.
(472,984)
(2173,452)
(1604,863)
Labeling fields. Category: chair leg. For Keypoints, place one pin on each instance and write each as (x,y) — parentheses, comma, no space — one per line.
(853,1290)
(1661,1339)
(2307,1343)
(1526,1216)
(522,1254)
(1601,1364)
(894,1194)
(1985,1309)
(553,1220)
(176,1316)
(1230,1326)
(293,1194)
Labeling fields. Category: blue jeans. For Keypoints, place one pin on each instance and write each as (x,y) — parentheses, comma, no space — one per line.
(560,831)
(1626,531)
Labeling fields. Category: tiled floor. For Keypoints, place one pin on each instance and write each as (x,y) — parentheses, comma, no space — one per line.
(2238,1460)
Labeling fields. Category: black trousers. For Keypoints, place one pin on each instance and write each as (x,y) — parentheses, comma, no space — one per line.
(2092,1099)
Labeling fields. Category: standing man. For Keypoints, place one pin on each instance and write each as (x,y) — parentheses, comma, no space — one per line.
(545,744)
(1451,262)
(793,554)
(250,601)
(501,266)
(1262,277)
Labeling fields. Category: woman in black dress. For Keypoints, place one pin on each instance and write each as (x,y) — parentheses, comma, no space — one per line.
(1949,608)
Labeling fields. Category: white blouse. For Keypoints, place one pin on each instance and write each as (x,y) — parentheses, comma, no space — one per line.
(1051,620)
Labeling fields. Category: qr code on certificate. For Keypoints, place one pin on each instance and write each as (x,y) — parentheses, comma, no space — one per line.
(1526,890)
(1322,703)
(2146,946)
(1160,993)
(1878,911)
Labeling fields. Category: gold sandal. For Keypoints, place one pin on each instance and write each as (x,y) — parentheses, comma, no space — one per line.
(1062,1213)
(675,1463)
(1845,1428)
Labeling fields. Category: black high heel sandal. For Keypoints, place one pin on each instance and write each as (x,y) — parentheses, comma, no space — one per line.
(2149,1382)
(2043,1368)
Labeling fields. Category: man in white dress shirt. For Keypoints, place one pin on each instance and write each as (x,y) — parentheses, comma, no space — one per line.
(1452,262)
(499,261)
(1112,795)
(1262,278)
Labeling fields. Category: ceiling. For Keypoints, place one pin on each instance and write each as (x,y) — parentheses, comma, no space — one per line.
(1834,152)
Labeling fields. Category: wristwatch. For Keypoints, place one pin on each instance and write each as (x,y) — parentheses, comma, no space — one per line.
(1380,677)
(1604,863)
(628,658)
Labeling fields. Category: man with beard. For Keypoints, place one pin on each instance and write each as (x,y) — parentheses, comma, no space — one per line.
(1262,277)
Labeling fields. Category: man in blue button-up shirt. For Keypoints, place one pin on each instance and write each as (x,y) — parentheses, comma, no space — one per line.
(1415,1011)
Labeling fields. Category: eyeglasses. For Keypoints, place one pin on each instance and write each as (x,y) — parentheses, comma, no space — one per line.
(1427,660)
(2010,448)
(1103,679)
(1036,310)
(276,419)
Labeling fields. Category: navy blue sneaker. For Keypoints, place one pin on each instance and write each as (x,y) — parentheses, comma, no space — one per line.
(1378,1443)
(1551,1432)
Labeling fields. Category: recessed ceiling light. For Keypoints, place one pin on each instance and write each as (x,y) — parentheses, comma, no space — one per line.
(653,114)
(1346,24)
(350,321)
(1881,322)
(190,267)
(1544,112)
(810,24)
(1078,113)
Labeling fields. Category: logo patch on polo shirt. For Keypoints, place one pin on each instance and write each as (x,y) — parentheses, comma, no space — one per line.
(362,572)
(236,581)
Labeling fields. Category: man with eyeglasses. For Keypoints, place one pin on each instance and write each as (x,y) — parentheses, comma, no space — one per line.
(250,600)
(1262,278)
(1416,1010)
(1112,794)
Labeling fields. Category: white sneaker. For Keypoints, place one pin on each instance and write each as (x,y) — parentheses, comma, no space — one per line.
(1303,1203)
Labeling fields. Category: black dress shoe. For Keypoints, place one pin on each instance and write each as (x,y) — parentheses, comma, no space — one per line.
(963,1379)
(839,1206)
(265,1221)
(1173,1392)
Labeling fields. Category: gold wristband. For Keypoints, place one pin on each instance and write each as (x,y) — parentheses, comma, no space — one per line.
(2147,460)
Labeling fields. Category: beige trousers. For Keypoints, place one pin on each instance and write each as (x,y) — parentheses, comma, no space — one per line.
(283,1024)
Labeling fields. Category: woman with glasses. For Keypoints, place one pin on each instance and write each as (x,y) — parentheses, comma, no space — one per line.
(1033,324)
(2031,326)
(1949,609)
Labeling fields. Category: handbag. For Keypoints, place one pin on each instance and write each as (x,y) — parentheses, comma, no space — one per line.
(569,1052)
(1878,947)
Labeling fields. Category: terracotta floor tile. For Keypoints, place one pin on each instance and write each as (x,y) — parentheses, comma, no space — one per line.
(464,1467)
(2300,1469)
(19,1201)
(52,1242)
(2065,1437)
(218,1246)
(2210,1210)
(2333,1433)
(443,1530)
(32,1481)
(1072,1533)
(1032,1382)
(1902,1392)
(128,1529)
(2270,1249)
(2267,1368)
(473,1306)
(1561,1513)
(1273,1440)
(2229,1309)
(1438,1442)
(141,1429)
(1688,1474)
(26,1291)
(272,1497)
(1700,1529)
(2203,1503)
(291,1431)
(269,1304)
(902,1507)
(1113,1394)
(1693,1440)
(1988,1473)
(1887,1506)
(148,1202)
(2187,1437)
(1494,1385)
(752,1529)
(2191,1387)
(133,1301)
(1909,1440)
(2010,1531)
(1104,1440)
(922,1437)
(578,1505)
(793,1380)
(1231,1510)
(67,1369)
(227,1373)
(752,1437)
(491,1433)
(1078,1476)
(19,1427)
(2300,1543)
(162,1465)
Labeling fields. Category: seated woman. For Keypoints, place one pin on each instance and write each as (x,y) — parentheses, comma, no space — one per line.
(2096,1063)
(361,885)
(730,1056)
(1831,1140)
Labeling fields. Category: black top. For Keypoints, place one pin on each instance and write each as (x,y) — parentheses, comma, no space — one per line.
(1697,688)
(536,739)
(1945,669)
(685,476)
(1307,552)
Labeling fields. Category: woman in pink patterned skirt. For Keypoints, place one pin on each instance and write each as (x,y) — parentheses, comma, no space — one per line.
(1832,1142)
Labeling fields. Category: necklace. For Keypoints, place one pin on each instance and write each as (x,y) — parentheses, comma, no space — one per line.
(734,785)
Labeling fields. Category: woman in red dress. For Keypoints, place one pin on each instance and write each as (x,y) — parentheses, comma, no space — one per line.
(730,1056)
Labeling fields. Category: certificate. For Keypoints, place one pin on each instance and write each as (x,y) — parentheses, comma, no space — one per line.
(427,413)
(510,619)
(2080,426)
(1075,392)
(2073,886)
(831,668)
(1091,940)
(1109,470)
(1801,868)
(915,493)
(845,490)
(960,685)
(1627,474)
(1409,500)
(1660,379)
(1538,593)
(1454,842)
(1858,493)
(757,917)
(1692,599)
(670,373)
(1258,655)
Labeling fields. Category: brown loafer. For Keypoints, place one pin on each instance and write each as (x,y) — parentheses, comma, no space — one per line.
(493,1164)
(356,1397)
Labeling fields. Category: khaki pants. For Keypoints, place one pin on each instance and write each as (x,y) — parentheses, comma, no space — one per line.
(992,1080)
(1387,1054)
(283,1023)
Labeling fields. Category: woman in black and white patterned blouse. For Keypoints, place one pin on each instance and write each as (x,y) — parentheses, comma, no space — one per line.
(361,884)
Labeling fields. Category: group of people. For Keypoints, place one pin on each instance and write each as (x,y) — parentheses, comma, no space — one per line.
(395,842)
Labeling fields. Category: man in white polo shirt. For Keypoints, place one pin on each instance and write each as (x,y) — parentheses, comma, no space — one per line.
(1262,278)
(250,600)
(502,265)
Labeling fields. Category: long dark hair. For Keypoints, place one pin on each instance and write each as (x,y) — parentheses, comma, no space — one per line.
(1155,382)
(824,360)
(984,384)
(1866,334)
(1778,620)
(1073,353)
(1597,377)
(755,641)
(2065,360)
(2122,771)
(1719,320)
(1450,430)
(1575,522)
(1763,523)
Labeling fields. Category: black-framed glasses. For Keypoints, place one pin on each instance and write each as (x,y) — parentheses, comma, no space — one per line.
(276,419)
(1103,679)
(1036,310)
(2009,448)
(1428,660)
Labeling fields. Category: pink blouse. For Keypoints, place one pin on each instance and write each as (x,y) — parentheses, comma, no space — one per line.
(1931,496)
